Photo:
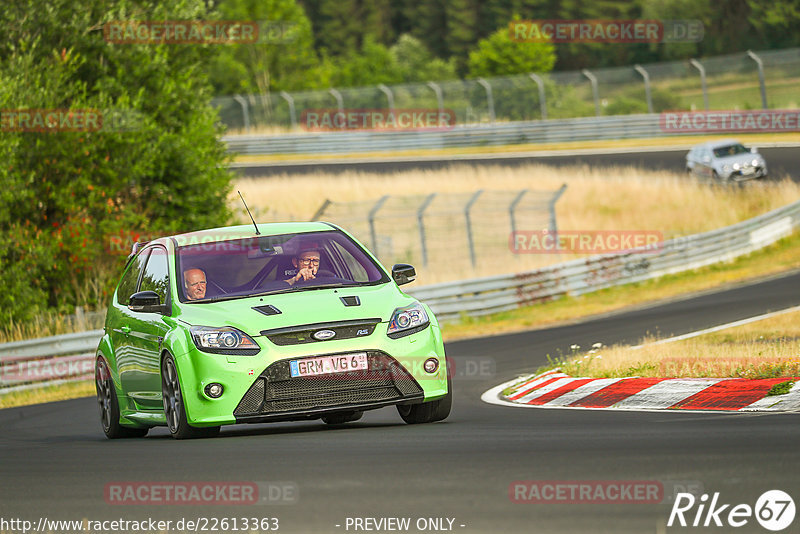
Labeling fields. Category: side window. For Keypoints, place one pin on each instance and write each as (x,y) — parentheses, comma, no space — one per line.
(127,286)
(156,274)
(353,265)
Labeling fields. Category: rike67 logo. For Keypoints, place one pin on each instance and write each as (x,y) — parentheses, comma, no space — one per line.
(774,510)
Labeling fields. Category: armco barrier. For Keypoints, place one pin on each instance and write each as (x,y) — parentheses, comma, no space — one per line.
(509,133)
(48,360)
(40,362)
(505,292)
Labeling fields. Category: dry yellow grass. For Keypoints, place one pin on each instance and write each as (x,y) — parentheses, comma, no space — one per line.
(59,392)
(619,198)
(763,349)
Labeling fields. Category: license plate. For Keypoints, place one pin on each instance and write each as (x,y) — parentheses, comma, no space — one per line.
(749,170)
(325,365)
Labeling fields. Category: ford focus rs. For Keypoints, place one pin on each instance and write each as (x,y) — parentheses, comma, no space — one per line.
(278,322)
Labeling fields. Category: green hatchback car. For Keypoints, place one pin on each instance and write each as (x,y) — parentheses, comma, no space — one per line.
(273,322)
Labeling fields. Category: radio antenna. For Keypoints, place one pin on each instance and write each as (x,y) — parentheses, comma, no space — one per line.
(248,212)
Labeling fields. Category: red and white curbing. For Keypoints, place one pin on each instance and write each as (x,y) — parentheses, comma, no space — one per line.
(554,389)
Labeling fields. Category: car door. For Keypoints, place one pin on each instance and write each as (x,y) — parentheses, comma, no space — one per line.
(121,317)
(142,379)
(706,163)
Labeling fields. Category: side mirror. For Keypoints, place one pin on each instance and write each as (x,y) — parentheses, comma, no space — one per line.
(754,150)
(402,273)
(146,302)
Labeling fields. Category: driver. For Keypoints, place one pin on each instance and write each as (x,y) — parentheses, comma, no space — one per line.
(307,265)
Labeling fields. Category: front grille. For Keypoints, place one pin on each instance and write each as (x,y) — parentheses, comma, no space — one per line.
(297,335)
(277,392)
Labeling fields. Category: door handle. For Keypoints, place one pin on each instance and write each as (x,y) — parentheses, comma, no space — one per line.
(125,329)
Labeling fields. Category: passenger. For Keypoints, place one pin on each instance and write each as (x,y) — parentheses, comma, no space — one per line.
(194,283)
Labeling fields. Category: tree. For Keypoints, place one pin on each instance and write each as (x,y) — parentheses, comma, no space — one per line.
(499,55)
(416,64)
(72,201)
(280,60)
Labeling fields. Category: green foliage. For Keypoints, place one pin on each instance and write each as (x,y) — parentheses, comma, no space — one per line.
(499,55)
(633,101)
(415,63)
(69,197)
(781,388)
(282,61)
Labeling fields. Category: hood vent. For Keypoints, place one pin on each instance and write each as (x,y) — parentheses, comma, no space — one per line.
(351,301)
(269,309)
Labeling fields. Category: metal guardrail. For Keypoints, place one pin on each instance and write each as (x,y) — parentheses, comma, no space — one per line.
(49,360)
(493,294)
(510,133)
(45,361)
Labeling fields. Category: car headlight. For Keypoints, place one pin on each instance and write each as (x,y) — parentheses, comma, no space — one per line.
(736,166)
(407,320)
(755,163)
(223,340)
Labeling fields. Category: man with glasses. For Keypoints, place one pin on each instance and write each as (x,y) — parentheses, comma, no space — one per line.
(194,282)
(307,265)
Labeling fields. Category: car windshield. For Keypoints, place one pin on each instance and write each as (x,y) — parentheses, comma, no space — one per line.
(729,150)
(265,264)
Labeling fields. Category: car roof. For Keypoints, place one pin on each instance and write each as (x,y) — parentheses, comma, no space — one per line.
(247,230)
(722,142)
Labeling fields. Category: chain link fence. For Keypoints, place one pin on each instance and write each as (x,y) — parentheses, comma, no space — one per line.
(736,81)
(445,228)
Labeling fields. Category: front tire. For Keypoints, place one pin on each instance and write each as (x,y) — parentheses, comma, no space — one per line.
(342,418)
(428,412)
(174,410)
(109,405)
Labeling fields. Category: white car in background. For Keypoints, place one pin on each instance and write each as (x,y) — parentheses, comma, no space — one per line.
(726,161)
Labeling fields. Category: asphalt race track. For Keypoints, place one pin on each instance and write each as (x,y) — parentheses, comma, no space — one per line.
(782,161)
(56,462)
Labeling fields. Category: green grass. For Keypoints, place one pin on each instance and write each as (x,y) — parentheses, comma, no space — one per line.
(781,388)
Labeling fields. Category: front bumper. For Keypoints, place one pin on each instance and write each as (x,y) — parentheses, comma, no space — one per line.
(742,175)
(243,376)
(277,396)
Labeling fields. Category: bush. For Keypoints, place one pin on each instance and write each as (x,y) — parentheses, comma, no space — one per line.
(69,195)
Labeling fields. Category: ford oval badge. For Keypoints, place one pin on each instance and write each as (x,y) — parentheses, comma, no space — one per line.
(322,335)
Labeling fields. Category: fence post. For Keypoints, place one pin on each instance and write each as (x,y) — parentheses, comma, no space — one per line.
(321,210)
(371,219)
(469,225)
(439,99)
(593,81)
(286,96)
(245,111)
(699,66)
(542,99)
(760,64)
(389,96)
(511,208)
(647,94)
(552,207)
(339,100)
(420,214)
(489,98)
